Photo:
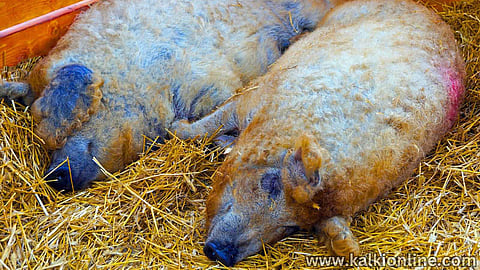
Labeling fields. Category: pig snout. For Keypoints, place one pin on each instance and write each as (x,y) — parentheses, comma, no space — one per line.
(59,178)
(72,167)
(65,178)
(224,253)
(230,245)
(224,241)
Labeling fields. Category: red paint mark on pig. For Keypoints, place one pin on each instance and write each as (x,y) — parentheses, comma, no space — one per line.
(455,89)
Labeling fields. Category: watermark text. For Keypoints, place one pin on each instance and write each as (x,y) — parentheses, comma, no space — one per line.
(389,260)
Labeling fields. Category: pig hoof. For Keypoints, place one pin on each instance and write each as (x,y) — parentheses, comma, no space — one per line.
(13,90)
(344,244)
(338,237)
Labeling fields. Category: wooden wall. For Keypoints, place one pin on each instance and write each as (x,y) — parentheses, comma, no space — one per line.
(18,11)
(31,28)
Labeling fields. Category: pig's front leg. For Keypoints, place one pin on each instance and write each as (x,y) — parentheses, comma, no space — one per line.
(16,91)
(224,119)
(338,237)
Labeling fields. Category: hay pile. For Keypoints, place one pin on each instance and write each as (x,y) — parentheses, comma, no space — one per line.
(151,214)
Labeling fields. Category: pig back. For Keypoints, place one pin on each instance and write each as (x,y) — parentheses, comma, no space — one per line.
(377,85)
(183,52)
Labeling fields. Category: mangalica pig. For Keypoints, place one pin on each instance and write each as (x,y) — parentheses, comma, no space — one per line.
(128,69)
(341,118)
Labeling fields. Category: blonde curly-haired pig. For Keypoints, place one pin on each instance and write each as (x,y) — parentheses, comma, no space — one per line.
(341,118)
(130,68)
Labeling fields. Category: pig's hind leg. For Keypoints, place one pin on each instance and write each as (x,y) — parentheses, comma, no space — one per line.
(338,237)
(223,121)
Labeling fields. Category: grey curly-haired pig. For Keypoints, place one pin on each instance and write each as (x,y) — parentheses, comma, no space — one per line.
(341,118)
(128,69)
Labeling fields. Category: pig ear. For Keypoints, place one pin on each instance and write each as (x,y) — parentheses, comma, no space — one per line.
(66,103)
(304,166)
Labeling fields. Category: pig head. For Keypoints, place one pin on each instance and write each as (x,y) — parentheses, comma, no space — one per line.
(261,202)
(79,123)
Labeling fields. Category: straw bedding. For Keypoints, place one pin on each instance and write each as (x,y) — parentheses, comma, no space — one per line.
(151,214)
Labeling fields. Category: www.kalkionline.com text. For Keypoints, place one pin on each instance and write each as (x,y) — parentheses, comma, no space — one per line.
(390,260)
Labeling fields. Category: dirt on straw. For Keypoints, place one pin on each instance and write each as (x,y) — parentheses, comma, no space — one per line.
(151,214)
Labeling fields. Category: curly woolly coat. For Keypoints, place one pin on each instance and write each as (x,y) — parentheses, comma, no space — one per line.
(341,118)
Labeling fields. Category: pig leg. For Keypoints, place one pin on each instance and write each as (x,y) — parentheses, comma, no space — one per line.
(338,237)
(16,90)
(223,120)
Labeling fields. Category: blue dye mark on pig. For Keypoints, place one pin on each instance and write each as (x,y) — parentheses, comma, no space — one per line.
(271,182)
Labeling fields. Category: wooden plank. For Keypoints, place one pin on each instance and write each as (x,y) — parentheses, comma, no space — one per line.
(34,41)
(14,12)
(37,36)
(46,17)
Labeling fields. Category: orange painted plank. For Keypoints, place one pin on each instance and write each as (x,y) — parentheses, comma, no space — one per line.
(34,41)
(37,36)
(13,12)
(46,17)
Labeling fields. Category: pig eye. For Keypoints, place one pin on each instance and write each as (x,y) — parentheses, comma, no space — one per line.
(288,230)
(225,207)
(272,183)
(90,147)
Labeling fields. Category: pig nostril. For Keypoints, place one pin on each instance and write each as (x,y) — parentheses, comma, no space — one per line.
(224,255)
(210,251)
(59,179)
